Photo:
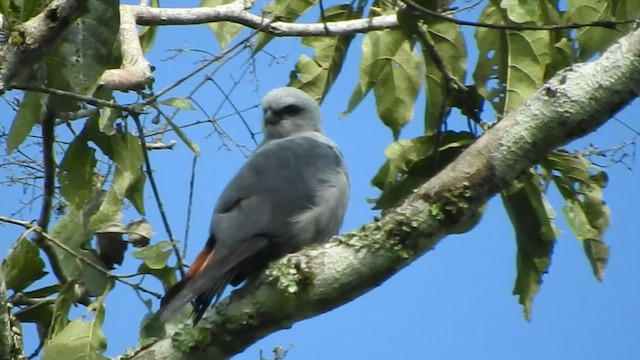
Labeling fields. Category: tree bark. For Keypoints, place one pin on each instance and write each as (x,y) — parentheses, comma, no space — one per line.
(572,104)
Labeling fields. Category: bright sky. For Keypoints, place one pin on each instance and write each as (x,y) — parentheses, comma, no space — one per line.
(453,303)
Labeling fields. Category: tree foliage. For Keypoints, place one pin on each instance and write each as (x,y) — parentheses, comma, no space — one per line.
(102,163)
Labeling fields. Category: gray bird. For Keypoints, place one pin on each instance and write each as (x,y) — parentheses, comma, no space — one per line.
(292,192)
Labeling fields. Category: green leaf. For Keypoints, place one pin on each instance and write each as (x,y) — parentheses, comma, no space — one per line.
(65,299)
(393,70)
(316,75)
(19,11)
(449,43)
(72,231)
(412,162)
(78,340)
(585,211)
(108,117)
(155,256)
(522,11)
(43,292)
(284,10)
(83,52)
(511,64)
(491,71)
(23,265)
(26,118)
(528,55)
(148,33)
(178,103)
(591,39)
(166,274)
(192,145)
(128,179)
(532,219)
(224,31)
(77,175)
(40,315)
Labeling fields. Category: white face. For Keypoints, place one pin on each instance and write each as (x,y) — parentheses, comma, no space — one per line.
(288,111)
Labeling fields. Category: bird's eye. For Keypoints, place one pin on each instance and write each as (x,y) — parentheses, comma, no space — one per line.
(290,110)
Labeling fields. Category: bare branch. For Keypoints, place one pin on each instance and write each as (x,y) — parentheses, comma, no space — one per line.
(135,72)
(158,145)
(517,27)
(156,194)
(237,12)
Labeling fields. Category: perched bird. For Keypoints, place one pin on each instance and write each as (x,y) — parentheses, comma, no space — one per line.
(292,192)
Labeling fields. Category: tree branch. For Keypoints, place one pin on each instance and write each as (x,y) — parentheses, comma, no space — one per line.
(237,12)
(572,104)
(135,72)
(33,39)
(6,342)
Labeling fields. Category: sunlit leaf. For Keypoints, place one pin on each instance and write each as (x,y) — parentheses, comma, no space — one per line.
(316,75)
(591,39)
(23,265)
(449,43)
(412,162)
(78,340)
(192,145)
(155,256)
(224,31)
(390,67)
(284,10)
(580,183)
(178,103)
(72,231)
(512,64)
(532,219)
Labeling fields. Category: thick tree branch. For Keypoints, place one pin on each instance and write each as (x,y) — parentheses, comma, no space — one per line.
(6,342)
(31,40)
(237,12)
(572,104)
(135,72)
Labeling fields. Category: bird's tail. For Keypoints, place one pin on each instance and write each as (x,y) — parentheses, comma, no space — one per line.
(182,292)
(207,277)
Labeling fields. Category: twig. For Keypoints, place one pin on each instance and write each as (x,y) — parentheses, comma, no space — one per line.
(48,160)
(192,183)
(156,194)
(132,109)
(237,111)
(158,145)
(203,66)
(453,84)
(608,24)
(48,138)
(31,227)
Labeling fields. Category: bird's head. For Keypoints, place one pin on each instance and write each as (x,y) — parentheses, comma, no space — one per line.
(289,111)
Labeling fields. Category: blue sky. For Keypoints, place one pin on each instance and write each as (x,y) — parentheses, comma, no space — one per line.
(453,303)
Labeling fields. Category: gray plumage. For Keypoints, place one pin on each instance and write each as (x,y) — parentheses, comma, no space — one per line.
(292,192)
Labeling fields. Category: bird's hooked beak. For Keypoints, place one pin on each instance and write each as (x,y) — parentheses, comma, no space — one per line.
(270,118)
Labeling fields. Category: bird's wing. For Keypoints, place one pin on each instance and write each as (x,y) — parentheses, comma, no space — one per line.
(264,204)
